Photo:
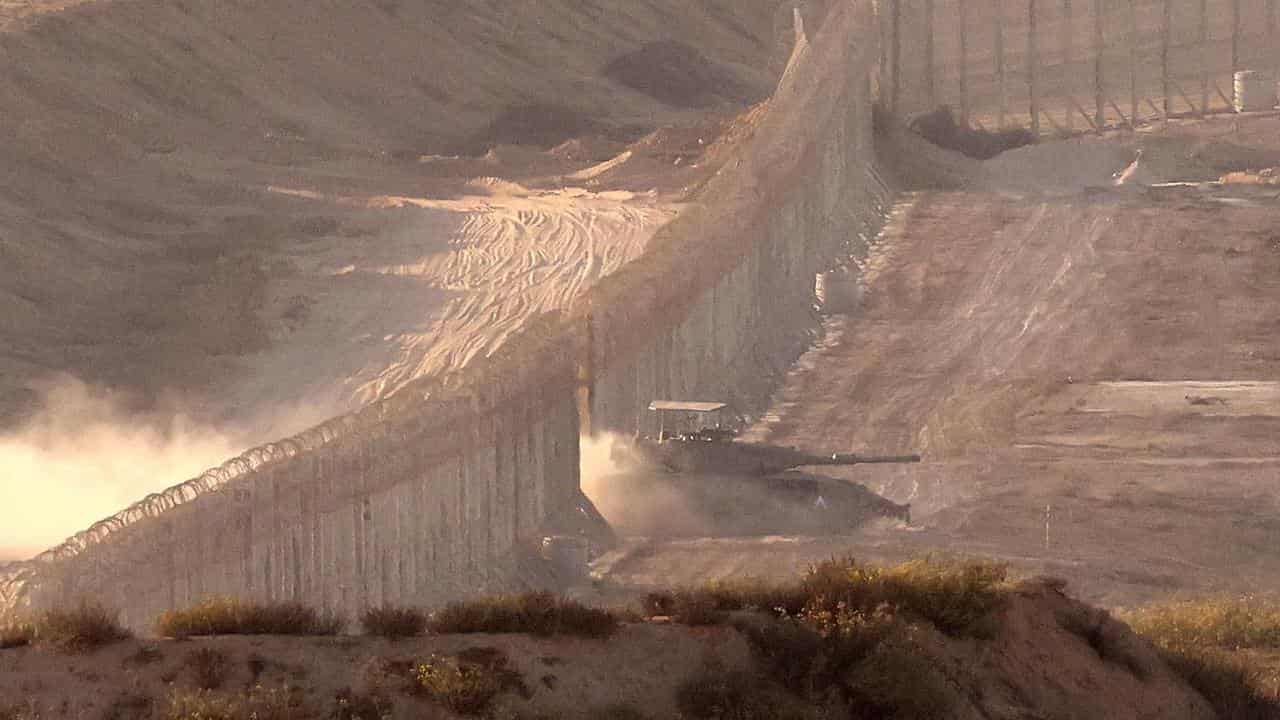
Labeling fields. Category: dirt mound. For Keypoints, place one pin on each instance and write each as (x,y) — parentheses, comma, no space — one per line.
(1047,657)
(540,125)
(1056,657)
(940,128)
(680,75)
(1069,166)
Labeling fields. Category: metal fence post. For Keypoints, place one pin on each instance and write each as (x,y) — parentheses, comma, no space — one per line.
(1099,101)
(1166,31)
(999,58)
(1133,63)
(964,64)
(1033,61)
(1204,56)
(930,64)
(1068,87)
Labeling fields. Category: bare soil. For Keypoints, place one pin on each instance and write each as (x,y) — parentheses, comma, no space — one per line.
(1049,656)
(1088,370)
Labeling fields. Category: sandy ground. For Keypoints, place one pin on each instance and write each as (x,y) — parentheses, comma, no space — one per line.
(1090,377)
(556,677)
(1041,661)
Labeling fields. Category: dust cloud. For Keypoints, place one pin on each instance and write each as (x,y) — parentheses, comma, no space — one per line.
(88,455)
(630,496)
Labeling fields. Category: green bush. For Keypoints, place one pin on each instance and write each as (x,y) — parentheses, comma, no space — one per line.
(394,622)
(227,616)
(85,627)
(539,613)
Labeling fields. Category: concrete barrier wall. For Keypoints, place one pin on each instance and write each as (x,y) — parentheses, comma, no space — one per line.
(435,493)
(723,303)
(417,501)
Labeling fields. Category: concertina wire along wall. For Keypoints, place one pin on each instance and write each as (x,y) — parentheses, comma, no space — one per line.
(426,496)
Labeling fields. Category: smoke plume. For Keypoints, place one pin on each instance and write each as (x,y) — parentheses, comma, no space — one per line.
(88,455)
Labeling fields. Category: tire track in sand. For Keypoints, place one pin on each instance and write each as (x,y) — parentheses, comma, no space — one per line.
(514,254)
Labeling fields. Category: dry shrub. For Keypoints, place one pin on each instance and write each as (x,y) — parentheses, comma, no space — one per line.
(129,706)
(462,687)
(897,680)
(85,627)
(208,668)
(143,656)
(715,694)
(1226,681)
(709,604)
(227,616)
(16,635)
(850,662)
(1203,641)
(617,712)
(24,711)
(350,705)
(1106,637)
(961,598)
(1223,622)
(538,613)
(686,607)
(394,622)
(257,704)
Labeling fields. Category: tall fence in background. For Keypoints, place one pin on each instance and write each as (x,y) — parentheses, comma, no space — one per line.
(1059,66)
(431,494)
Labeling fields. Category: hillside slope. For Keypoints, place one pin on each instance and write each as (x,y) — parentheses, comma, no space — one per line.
(140,245)
(224,222)
(1051,657)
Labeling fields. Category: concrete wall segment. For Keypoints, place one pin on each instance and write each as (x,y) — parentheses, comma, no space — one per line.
(425,497)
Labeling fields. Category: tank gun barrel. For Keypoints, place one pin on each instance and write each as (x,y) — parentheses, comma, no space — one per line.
(855,459)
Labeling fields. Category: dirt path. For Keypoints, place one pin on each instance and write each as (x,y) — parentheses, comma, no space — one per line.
(452,280)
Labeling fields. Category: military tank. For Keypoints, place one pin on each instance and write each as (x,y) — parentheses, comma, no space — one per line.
(715,448)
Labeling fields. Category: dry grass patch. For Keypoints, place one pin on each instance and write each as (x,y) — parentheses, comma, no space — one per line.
(1207,643)
(540,613)
(227,616)
(16,635)
(961,598)
(394,622)
(840,641)
(351,705)
(257,704)
(1224,622)
(85,627)
(24,711)
(464,688)
(208,668)
(716,694)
